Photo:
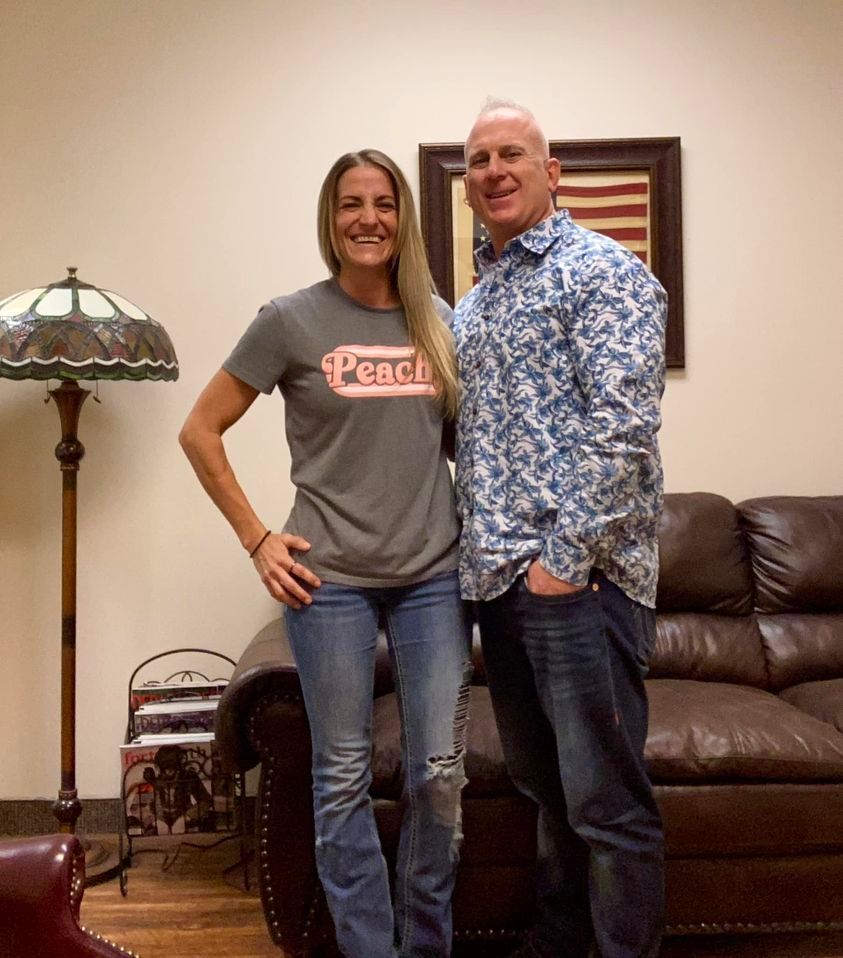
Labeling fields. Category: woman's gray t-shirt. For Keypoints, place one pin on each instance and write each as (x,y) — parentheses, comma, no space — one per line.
(374,495)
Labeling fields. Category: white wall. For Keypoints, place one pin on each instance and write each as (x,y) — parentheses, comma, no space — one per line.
(173,152)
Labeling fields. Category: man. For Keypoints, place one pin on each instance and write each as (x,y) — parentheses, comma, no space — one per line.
(559,486)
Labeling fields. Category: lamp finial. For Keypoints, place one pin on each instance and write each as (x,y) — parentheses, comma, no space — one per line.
(71,272)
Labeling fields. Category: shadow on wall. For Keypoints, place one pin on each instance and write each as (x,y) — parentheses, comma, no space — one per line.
(30,490)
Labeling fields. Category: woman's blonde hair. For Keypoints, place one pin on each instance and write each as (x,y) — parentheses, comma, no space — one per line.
(410,272)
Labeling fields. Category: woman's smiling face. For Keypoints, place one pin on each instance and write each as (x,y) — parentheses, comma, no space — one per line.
(366,221)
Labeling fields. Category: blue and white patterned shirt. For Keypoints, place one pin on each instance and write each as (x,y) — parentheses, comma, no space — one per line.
(561,363)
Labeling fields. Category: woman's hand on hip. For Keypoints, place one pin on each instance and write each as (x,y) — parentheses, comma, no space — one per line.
(286,579)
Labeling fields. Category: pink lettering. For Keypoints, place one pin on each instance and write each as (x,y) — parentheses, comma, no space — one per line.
(366,373)
(422,370)
(384,375)
(404,372)
(336,364)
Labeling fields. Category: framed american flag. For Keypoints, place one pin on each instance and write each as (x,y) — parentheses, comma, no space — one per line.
(628,189)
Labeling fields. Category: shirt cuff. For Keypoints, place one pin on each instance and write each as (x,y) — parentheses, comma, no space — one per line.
(570,563)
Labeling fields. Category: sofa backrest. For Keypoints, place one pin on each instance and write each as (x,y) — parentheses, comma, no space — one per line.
(751,593)
(796,549)
(706,628)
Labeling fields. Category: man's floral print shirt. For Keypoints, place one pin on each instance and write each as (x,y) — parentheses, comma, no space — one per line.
(561,359)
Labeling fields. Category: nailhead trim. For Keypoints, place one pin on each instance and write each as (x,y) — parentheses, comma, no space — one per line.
(76,891)
(265,872)
(486,934)
(77,884)
(702,928)
(109,942)
(263,704)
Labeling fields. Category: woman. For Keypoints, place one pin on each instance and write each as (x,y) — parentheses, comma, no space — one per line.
(366,367)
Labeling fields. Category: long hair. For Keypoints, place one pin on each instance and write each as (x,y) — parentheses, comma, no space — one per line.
(410,273)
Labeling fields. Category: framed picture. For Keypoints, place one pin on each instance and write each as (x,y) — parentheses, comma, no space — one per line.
(628,189)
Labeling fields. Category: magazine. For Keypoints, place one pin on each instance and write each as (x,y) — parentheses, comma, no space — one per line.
(174,785)
(175,717)
(175,691)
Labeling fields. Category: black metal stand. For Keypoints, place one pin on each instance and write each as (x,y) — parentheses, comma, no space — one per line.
(236,780)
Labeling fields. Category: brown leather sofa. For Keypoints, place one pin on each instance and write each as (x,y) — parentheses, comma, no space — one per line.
(42,881)
(745,743)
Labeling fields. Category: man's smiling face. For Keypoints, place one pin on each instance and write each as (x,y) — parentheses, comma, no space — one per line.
(508,177)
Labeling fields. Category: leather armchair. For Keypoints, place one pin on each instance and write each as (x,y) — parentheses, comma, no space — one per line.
(42,881)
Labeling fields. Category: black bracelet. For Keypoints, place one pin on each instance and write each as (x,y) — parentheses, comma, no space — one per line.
(263,539)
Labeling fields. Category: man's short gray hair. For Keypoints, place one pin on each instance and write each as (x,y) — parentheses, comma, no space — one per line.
(499,103)
(494,103)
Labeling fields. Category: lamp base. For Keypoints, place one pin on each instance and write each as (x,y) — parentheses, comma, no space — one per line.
(102,861)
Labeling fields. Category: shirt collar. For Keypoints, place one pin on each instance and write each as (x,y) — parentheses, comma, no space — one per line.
(536,240)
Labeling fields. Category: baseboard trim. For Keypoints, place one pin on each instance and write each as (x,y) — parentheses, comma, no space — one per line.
(100,816)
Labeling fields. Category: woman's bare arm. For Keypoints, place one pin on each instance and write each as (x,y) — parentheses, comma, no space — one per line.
(223,401)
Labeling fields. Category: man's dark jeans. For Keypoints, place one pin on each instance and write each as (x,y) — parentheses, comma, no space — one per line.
(566,675)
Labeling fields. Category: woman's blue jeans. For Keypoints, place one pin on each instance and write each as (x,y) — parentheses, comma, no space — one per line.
(334,641)
(566,675)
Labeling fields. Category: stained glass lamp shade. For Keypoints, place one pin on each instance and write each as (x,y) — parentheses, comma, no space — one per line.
(72,330)
(69,331)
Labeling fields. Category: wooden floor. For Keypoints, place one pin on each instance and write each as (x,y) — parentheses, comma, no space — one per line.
(192,910)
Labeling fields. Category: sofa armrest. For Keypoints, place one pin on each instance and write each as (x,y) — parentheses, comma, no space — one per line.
(261,718)
(42,881)
(265,668)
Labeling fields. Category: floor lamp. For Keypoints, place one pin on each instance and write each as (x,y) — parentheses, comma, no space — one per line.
(69,331)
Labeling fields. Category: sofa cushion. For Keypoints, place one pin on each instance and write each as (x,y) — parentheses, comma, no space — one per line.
(484,764)
(712,648)
(823,700)
(708,731)
(796,548)
(801,647)
(703,562)
(713,731)
(752,818)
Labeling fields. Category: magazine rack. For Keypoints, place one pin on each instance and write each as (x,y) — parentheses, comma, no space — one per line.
(171,780)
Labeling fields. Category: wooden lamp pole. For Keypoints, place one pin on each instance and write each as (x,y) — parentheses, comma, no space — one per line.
(69,398)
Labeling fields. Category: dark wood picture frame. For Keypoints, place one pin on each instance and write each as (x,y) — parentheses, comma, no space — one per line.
(658,157)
